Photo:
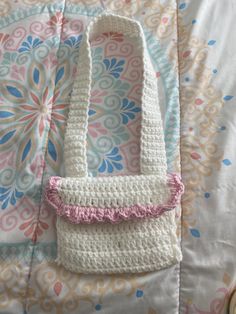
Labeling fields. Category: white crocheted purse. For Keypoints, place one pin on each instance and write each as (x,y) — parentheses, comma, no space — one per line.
(120,223)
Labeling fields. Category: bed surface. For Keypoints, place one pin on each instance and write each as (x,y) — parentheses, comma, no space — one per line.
(192,48)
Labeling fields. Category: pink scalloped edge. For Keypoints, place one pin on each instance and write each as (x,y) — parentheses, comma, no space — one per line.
(81,214)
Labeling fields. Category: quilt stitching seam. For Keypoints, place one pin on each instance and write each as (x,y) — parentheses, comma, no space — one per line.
(181,208)
(44,152)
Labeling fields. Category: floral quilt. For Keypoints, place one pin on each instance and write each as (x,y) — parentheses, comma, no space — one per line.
(191,45)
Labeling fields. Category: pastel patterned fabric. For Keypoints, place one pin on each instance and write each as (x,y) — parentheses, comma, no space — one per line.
(192,47)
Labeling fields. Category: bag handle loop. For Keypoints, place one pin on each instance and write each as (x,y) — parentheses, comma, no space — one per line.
(152,146)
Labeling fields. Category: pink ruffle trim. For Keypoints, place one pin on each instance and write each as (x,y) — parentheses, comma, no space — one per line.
(80,214)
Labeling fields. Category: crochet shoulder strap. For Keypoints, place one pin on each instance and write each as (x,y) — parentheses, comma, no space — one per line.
(152,148)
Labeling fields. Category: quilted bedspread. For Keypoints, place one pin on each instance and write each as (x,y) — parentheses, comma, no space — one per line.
(192,47)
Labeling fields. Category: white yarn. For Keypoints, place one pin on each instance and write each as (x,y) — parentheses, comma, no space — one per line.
(114,192)
(153,158)
(130,246)
(135,246)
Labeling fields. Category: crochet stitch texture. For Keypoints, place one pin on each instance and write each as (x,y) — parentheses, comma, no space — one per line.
(103,224)
(113,199)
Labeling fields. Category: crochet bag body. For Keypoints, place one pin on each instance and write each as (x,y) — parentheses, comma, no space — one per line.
(121,223)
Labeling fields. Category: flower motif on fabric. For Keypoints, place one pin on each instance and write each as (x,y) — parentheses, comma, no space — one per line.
(33,228)
(57,20)
(23,216)
(114,66)
(114,36)
(13,186)
(29,44)
(35,112)
(9,196)
(128,110)
(73,41)
(111,161)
